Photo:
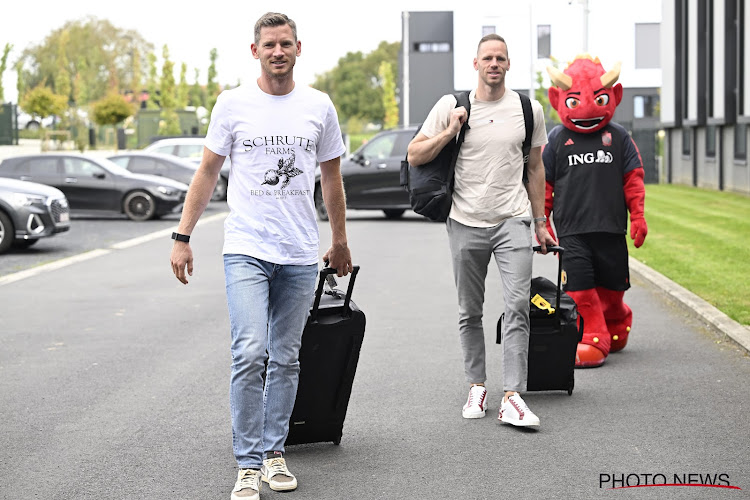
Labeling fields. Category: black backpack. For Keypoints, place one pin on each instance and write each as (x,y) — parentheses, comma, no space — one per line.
(430,186)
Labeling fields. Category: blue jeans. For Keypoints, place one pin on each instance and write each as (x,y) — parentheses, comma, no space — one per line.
(268,308)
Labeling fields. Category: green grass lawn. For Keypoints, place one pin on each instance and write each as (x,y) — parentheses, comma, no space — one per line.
(700,239)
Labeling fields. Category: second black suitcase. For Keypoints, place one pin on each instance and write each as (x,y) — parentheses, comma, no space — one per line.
(554,333)
(328,360)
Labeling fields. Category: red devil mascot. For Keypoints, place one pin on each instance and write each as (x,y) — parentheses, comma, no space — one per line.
(594,178)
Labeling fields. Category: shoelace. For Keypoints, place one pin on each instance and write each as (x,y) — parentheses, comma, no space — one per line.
(476,391)
(519,404)
(249,479)
(278,466)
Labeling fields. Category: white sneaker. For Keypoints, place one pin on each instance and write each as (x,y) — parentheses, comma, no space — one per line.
(515,411)
(278,477)
(247,486)
(476,405)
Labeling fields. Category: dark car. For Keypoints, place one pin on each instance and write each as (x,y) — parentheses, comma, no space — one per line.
(97,184)
(372,176)
(165,165)
(29,212)
(191,148)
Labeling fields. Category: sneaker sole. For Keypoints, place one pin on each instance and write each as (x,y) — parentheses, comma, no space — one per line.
(290,487)
(256,496)
(474,415)
(519,423)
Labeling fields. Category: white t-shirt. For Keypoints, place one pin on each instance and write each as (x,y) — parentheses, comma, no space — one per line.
(488,185)
(275,143)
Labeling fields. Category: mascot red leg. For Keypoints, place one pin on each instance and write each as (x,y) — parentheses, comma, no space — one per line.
(595,345)
(618,316)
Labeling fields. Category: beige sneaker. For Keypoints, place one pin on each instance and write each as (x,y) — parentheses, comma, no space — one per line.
(247,486)
(278,477)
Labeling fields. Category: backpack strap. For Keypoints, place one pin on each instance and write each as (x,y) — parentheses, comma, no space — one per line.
(528,118)
(462,99)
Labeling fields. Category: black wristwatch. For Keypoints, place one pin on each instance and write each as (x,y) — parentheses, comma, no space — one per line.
(181,237)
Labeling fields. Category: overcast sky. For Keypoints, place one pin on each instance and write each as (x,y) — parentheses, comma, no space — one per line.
(327,29)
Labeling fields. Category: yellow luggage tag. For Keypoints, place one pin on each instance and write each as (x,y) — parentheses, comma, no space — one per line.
(539,301)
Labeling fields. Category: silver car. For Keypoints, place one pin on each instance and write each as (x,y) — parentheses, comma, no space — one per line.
(30,211)
(191,148)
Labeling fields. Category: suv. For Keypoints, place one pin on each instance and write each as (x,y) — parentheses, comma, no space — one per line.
(30,211)
(372,176)
(191,148)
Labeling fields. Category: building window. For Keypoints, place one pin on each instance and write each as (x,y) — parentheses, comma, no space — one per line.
(544,41)
(432,47)
(711,141)
(686,133)
(647,47)
(644,106)
(488,30)
(740,141)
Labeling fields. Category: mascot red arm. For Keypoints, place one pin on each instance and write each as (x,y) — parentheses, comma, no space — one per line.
(594,176)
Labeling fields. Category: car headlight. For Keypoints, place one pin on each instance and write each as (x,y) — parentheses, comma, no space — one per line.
(167,191)
(28,199)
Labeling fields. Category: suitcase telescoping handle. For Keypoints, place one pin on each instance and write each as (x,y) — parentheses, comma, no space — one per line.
(319,291)
(559,251)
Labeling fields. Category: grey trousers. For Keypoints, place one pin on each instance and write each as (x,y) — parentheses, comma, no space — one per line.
(471,249)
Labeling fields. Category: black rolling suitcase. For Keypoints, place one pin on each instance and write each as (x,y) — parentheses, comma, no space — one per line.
(328,360)
(554,333)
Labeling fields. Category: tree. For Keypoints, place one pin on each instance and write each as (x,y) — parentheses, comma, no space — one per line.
(212,88)
(3,67)
(196,96)
(63,84)
(42,102)
(109,52)
(182,88)
(169,124)
(390,106)
(112,109)
(541,94)
(152,84)
(355,85)
(80,85)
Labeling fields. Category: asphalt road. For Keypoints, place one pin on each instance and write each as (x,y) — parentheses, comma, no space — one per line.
(114,384)
(88,233)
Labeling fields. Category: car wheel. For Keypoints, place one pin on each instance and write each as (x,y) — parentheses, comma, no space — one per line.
(24,243)
(220,191)
(139,205)
(320,206)
(7,232)
(393,213)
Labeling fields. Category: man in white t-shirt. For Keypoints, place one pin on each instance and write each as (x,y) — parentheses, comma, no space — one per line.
(490,216)
(275,133)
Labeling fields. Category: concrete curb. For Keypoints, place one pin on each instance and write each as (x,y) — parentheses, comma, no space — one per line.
(714,317)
